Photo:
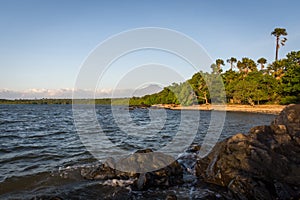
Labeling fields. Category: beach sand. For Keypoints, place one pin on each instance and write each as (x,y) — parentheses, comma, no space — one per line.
(269,109)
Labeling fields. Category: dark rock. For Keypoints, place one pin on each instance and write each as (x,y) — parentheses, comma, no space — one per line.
(263,164)
(171,197)
(194,148)
(171,174)
(142,106)
(290,117)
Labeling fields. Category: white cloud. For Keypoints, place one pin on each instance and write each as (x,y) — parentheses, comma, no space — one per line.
(35,93)
(40,93)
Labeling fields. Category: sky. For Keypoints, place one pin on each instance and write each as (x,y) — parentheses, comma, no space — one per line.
(44,44)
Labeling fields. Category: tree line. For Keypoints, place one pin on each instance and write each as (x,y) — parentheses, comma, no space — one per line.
(46,101)
(246,82)
(252,83)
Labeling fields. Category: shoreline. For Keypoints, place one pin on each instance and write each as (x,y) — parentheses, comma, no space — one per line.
(266,109)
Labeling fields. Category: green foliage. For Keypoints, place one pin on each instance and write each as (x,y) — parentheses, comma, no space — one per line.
(276,69)
(291,79)
(278,84)
(36,101)
(279,32)
(262,61)
(219,62)
(231,61)
(199,85)
(289,99)
(246,65)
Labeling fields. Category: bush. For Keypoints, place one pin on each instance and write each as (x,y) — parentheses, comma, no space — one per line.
(289,99)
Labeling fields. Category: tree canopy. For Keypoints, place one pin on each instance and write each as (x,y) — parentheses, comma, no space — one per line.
(279,83)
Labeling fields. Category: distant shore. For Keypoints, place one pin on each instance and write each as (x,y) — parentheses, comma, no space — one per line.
(269,109)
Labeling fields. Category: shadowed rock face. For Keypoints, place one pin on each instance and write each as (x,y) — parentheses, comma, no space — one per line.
(263,164)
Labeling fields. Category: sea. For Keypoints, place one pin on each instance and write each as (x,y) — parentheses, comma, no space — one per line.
(43,151)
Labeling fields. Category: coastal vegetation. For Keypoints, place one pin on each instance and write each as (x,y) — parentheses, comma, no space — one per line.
(252,84)
(246,82)
(56,101)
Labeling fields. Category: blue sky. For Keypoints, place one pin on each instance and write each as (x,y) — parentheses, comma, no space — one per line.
(44,43)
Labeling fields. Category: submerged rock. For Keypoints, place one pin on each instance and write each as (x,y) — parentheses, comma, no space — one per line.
(263,164)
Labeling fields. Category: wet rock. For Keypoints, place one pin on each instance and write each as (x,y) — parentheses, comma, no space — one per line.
(169,175)
(166,177)
(194,148)
(171,197)
(290,118)
(263,164)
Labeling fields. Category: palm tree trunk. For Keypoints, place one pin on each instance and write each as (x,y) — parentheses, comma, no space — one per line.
(277,47)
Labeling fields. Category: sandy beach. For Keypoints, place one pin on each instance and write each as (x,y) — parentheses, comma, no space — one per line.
(269,109)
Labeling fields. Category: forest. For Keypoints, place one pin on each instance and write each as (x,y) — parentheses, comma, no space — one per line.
(246,82)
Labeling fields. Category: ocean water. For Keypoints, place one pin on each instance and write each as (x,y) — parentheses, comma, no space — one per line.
(42,154)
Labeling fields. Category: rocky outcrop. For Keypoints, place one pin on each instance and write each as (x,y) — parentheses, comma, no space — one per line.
(168,176)
(263,164)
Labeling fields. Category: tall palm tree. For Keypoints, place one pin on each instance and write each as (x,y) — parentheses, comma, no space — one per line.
(231,60)
(246,65)
(277,33)
(219,62)
(262,61)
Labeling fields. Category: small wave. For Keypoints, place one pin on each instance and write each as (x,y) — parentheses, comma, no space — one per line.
(47,134)
(5,150)
(10,136)
(119,182)
(25,148)
(12,158)
(12,121)
(29,157)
